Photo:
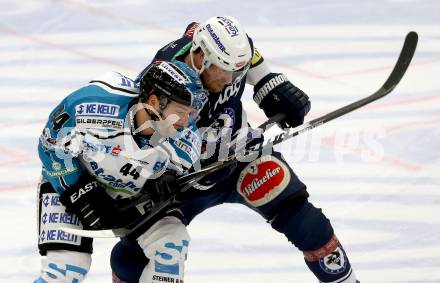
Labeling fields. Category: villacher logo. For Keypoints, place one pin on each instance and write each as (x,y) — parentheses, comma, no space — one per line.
(262,180)
(258,182)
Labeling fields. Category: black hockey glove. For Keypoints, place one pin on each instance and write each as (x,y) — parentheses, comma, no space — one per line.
(89,201)
(163,187)
(217,176)
(276,94)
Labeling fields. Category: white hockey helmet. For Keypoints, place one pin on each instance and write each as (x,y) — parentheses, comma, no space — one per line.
(224,43)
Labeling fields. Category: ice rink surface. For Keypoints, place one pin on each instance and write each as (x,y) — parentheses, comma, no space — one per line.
(375,172)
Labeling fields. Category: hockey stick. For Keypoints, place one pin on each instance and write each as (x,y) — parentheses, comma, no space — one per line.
(188,181)
(233,150)
(394,78)
(197,175)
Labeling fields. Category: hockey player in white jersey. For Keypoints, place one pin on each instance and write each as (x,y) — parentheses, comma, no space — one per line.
(106,143)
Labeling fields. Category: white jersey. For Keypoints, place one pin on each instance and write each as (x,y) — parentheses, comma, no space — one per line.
(91,131)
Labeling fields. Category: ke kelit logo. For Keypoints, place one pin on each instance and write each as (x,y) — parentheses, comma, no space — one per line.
(99,109)
(51,199)
(58,236)
(58,217)
(263,180)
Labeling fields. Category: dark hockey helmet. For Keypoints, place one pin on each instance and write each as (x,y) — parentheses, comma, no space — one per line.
(173,80)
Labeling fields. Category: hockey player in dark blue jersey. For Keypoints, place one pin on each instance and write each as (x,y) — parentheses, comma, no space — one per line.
(226,59)
(104,144)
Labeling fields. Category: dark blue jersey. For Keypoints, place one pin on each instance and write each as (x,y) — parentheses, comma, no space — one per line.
(228,102)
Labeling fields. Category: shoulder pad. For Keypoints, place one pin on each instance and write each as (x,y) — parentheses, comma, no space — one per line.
(117,83)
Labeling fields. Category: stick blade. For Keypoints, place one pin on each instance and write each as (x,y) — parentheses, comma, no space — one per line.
(110,233)
(405,57)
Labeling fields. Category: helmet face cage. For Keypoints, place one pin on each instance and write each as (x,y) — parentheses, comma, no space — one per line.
(225,44)
(174,81)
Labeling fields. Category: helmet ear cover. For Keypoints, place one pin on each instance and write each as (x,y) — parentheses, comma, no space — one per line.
(163,102)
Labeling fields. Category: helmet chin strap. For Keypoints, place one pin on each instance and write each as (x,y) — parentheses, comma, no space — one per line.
(161,124)
(155,115)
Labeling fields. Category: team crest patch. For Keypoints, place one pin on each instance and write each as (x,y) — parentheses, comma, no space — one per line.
(263,180)
(334,263)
